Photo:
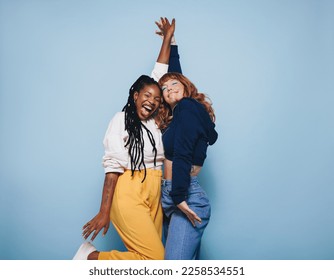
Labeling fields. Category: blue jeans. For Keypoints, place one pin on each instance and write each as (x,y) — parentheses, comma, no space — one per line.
(182,238)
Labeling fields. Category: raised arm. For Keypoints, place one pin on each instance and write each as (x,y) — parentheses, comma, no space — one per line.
(174,58)
(174,64)
(167,31)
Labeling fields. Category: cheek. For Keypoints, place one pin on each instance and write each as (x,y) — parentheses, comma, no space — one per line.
(164,95)
(180,93)
(181,90)
(137,104)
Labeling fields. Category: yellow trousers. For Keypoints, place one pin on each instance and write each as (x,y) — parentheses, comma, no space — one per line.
(136,214)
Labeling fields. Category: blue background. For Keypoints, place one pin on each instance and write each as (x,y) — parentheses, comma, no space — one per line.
(268,66)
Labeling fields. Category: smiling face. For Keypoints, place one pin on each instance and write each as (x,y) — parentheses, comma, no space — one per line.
(173,91)
(147,101)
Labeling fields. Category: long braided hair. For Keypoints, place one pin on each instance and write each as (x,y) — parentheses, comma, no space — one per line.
(134,126)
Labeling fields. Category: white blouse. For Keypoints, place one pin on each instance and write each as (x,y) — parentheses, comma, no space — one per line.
(116,156)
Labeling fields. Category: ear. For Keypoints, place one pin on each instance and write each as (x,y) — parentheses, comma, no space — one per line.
(135,96)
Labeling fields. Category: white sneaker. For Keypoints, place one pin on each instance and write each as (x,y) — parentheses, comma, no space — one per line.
(84,250)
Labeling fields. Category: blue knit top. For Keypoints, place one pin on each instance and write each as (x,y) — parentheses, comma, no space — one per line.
(185,142)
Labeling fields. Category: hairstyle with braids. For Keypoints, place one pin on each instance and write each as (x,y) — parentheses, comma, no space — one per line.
(165,112)
(134,126)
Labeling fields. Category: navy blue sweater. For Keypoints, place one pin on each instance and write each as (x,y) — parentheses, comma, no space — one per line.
(174,64)
(186,141)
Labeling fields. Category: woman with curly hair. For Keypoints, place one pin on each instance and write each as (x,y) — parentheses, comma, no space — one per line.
(187,121)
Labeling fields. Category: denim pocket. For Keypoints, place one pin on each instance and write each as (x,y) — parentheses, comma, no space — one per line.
(200,204)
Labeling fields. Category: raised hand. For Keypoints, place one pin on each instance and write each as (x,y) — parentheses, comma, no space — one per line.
(166,29)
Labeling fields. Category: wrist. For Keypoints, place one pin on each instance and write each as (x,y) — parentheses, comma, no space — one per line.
(173,41)
(104,211)
(168,37)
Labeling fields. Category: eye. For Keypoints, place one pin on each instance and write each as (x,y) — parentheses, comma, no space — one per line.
(174,83)
(164,88)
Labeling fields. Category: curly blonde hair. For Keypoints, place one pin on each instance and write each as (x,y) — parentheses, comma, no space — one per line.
(164,116)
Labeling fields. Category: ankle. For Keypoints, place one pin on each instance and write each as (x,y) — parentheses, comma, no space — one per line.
(93,255)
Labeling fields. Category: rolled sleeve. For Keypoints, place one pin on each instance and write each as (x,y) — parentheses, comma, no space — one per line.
(159,70)
(115,157)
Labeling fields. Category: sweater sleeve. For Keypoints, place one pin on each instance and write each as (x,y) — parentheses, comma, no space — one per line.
(115,157)
(174,60)
(187,131)
(159,70)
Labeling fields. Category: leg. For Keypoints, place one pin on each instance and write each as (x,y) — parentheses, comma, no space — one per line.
(137,218)
(183,240)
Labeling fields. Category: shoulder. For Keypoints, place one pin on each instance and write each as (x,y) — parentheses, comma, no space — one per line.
(191,106)
(188,110)
(119,116)
(188,104)
(117,120)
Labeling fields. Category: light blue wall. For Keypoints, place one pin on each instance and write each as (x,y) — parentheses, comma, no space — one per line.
(268,66)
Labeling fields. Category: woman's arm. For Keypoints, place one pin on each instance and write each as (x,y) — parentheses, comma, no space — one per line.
(174,58)
(102,219)
(187,132)
(167,30)
(115,160)
(174,64)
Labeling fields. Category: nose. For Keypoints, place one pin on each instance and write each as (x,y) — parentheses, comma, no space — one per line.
(151,100)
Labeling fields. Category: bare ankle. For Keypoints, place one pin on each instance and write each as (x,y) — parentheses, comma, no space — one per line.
(93,255)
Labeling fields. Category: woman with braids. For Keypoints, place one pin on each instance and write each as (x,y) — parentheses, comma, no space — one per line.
(133,158)
(187,119)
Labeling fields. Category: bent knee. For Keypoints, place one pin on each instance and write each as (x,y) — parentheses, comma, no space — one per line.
(156,255)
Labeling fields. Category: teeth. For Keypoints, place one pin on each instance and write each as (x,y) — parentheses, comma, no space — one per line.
(148,108)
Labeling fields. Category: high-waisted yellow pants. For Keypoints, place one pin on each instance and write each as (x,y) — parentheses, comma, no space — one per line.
(136,214)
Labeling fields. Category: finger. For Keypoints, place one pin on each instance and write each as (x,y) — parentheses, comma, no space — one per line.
(86,225)
(158,24)
(96,232)
(191,220)
(194,216)
(94,235)
(198,219)
(105,230)
(85,235)
(86,232)
(162,21)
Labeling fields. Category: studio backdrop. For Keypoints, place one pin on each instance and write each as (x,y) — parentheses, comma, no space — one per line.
(268,67)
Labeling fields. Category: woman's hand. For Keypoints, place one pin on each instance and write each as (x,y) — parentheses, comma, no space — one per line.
(95,225)
(166,29)
(102,219)
(192,216)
